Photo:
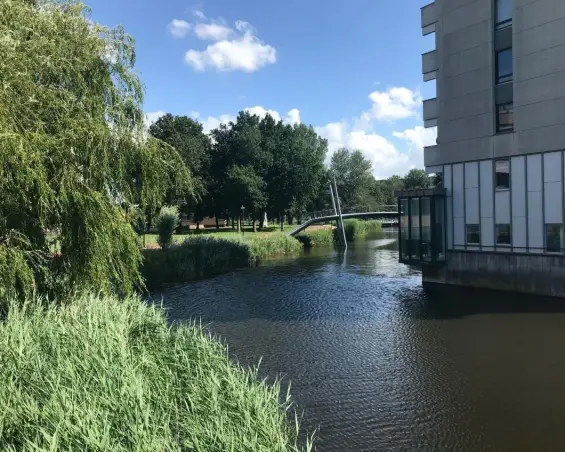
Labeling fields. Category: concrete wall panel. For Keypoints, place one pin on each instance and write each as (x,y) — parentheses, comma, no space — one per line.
(519,233)
(518,186)
(458,199)
(552,167)
(448,202)
(471,175)
(486,187)
(535,223)
(459,233)
(502,207)
(553,199)
(534,172)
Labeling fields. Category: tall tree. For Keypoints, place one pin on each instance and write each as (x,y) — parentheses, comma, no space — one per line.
(74,157)
(417,178)
(354,178)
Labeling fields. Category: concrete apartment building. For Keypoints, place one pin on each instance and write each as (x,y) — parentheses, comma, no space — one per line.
(497,222)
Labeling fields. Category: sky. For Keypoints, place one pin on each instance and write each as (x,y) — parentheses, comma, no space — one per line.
(349,68)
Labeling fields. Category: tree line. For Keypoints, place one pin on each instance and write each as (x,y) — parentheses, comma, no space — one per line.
(268,167)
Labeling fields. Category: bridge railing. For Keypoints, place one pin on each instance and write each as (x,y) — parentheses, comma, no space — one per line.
(329,212)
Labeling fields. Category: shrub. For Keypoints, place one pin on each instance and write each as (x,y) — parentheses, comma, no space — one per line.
(359,228)
(202,256)
(110,374)
(318,237)
(167,221)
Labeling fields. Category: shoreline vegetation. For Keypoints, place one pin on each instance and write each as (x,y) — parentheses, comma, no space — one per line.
(204,255)
(108,373)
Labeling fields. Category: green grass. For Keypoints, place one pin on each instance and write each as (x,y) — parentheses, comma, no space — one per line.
(355,229)
(105,374)
(319,237)
(203,256)
(151,239)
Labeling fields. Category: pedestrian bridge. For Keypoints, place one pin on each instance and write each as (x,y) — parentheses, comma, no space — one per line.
(389,216)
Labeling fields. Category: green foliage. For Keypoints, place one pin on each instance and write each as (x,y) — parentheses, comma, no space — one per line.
(319,237)
(102,373)
(417,178)
(74,156)
(203,256)
(355,229)
(167,221)
(354,178)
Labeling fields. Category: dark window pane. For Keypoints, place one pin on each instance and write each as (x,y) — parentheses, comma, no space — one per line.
(502,174)
(415,232)
(504,66)
(426,229)
(503,236)
(473,234)
(505,117)
(439,232)
(553,237)
(503,12)
(404,230)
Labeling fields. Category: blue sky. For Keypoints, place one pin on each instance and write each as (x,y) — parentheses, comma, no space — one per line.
(352,68)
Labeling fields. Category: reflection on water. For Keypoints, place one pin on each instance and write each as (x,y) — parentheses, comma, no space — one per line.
(378,365)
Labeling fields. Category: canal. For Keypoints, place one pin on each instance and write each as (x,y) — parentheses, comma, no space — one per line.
(375,364)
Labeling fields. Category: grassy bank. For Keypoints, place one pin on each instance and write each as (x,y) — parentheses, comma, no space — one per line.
(203,256)
(354,229)
(319,237)
(109,374)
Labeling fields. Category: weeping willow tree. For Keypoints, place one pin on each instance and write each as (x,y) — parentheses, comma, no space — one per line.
(74,156)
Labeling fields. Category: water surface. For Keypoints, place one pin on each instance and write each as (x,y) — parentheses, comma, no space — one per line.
(378,365)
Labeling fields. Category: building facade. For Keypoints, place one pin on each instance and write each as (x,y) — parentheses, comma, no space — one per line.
(499,67)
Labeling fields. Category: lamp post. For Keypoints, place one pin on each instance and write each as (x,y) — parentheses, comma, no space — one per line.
(242,213)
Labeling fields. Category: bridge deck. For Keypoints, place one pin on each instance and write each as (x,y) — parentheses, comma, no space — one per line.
(327,218)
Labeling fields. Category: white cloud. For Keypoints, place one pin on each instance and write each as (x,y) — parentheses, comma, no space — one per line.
(213,122)
(418,137)
(293,117)
(262,112)
(382,154)
(199,14)
(394,104)
(236,49)
(212,32)
(179,28)
(152,117)
(194,114)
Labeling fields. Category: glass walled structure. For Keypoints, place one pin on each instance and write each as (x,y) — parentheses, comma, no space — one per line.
(422,225)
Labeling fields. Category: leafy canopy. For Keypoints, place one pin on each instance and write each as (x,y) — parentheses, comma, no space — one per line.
(75,157)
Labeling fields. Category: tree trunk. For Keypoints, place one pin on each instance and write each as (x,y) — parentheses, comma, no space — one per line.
(233,223)
(239,224)
(282,224)
(262,221)
(217,222)
(197,226)
(254,219)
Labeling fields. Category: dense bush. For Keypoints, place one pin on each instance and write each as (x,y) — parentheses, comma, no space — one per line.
(202,256)
(167,221)
(359,228)
(110,374)
(319,237)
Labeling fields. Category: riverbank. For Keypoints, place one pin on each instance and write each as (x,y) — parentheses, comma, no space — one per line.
(204,256)
(110,374)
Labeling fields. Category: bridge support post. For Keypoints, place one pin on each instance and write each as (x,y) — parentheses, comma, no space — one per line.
(338,212)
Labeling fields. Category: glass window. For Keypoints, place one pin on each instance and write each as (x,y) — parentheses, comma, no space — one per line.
(553,238)
(473,234)
(502,174)
(404,230)
(505,117)
(415,232)
(439,230)
(503,236)
(503,13)
(426,229)
(504,72)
